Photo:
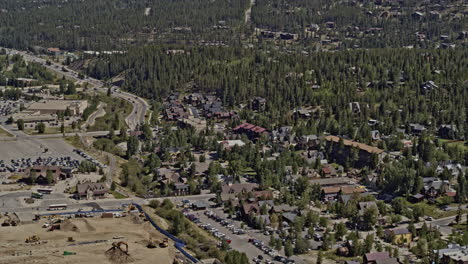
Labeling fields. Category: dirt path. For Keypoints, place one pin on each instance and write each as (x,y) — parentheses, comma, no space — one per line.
(92,118)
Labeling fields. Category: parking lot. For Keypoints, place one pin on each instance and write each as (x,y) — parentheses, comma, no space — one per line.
(30,148)
(252,242)
(9,107)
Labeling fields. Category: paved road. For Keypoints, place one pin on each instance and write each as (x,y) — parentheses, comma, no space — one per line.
(19,135)
(9,202)
(140,106)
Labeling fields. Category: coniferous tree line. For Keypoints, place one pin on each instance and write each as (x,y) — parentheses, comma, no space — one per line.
(387,83)
(109,24)
(351,18)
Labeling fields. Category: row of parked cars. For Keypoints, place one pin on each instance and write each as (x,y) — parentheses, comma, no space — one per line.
(89,158)
(19,165)
(271,252)
(8,107)
(215,232)
(225,222)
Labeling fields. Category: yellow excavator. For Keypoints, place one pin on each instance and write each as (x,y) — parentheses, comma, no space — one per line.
(164,243)
(151,243)
(32,239)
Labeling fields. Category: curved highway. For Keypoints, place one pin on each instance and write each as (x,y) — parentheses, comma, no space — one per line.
(140,106)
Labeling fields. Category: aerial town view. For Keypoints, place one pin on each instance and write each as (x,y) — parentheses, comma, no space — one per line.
(234,131)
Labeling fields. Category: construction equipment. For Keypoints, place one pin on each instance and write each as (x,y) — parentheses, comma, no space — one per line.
(151,243)
(117,246)
(68,253)
(32,239)
(164,243)
(6,222)
(54,227)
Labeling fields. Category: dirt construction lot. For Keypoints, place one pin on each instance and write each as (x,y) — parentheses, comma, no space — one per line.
(50,249)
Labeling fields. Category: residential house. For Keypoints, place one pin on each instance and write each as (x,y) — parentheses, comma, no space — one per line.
(253,132)
(41,172)
(328,171)
(91,190)
(289,217)
(181,189)
(309,141)
(417,129)
(284,133)
(363,206)
(365,152)
(228,144)
(456,257)
(399,236)
(234,191)
(435,188)
(372,258)
(210,261)
(175,111)
(355,107)
(417,198)
(250,209)
(333,192)
(454,253)
(54,51)
(387,261)
(375,135)
(259,104)
(328,182)
(447,131)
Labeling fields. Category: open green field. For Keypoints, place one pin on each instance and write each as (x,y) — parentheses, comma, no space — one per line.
(455,143)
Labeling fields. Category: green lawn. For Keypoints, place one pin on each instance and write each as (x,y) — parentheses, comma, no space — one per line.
(454,142)
(248,171)
(49,130)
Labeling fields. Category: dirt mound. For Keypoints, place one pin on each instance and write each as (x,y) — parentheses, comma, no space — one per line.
(136,219)
(117,256)
(77,225)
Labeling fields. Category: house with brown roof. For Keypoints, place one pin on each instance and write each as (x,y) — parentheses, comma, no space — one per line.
(399,236)
(253,132)
(333,192)
(372,258)
(250,208)
(91,190)
(239,188)
(41,172)
(342,149)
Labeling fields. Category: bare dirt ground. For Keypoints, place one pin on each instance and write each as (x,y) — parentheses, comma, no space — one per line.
(14,249)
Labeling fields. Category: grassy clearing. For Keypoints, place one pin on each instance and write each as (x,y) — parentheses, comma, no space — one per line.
(118,195)
(116,112)
(48,131)
(433,211)
(248,171)
(454,143)
(4,133)
(331,255)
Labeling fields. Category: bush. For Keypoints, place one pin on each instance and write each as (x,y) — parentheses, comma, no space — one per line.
(154,204)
